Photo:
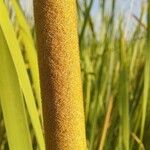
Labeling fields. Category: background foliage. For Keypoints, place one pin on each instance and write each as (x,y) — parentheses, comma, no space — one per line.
(115,73)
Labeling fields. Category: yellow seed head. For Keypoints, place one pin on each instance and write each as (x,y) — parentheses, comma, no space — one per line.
(56,28)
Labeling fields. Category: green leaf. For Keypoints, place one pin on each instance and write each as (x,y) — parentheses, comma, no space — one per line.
(24,81)
(30,50)
(12,102)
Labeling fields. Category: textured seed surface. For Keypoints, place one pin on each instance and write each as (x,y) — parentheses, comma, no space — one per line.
(56,28)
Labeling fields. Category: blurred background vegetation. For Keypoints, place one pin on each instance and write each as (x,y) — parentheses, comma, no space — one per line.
(114,41)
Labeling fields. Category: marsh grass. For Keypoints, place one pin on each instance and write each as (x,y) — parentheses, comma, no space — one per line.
(115,76)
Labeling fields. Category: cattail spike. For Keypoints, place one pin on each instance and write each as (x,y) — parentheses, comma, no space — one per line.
(58,54)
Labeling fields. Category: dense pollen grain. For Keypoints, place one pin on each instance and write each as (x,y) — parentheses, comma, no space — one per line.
(56,28)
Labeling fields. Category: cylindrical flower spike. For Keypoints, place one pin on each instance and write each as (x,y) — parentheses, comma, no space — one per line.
(58,54)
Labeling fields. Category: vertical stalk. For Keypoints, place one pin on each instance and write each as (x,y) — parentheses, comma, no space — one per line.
(146,75)
(58,54)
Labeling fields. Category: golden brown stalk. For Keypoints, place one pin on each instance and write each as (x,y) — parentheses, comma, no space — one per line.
(56,28)
(106,124)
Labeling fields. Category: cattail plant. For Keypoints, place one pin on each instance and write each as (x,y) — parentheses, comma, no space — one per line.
(56,29)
